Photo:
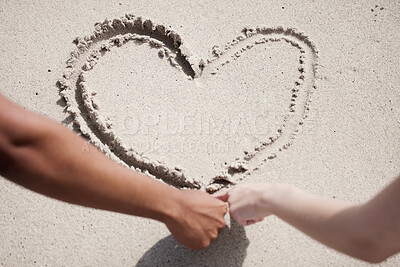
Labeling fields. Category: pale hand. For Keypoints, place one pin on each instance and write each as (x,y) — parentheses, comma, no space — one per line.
(246,203)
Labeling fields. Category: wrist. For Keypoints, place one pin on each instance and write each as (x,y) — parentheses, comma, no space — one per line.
(273,195)
(173,207)
(156,200)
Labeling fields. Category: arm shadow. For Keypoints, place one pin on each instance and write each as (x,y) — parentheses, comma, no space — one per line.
(229,249)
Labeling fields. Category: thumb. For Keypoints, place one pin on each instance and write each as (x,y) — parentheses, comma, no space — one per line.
(222,196)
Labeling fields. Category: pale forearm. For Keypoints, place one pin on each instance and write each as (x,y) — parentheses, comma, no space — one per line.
(369,231)
(335,223)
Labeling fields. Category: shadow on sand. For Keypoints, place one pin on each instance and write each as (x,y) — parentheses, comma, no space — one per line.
(228,250)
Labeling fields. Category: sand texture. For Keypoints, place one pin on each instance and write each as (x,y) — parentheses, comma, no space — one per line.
(203,95)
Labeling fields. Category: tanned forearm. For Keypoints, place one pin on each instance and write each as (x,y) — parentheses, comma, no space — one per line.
(48,158)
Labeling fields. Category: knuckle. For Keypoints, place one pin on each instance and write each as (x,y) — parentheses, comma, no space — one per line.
(213,236)
(225,208)
(204,244)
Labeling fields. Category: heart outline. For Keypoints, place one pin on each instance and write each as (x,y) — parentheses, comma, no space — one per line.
(119,31)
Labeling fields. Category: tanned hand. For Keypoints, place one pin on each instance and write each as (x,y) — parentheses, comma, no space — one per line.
(197,220)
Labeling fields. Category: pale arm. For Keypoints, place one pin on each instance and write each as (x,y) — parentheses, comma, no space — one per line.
(370,231)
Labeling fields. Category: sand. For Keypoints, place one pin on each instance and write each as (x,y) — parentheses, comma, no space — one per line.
(203,96)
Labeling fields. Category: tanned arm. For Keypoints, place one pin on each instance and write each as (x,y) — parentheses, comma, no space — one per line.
(48,158)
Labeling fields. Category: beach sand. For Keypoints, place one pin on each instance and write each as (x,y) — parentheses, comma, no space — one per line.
(203,95)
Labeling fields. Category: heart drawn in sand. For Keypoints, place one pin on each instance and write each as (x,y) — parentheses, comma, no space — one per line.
(206,91)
